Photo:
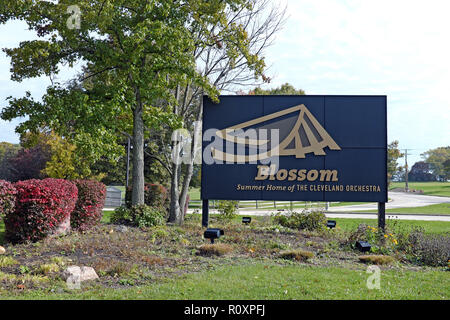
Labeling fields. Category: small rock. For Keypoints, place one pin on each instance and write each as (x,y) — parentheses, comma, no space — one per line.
(88,273)
(2,250)
(122,229)
(71,272)
(83,273)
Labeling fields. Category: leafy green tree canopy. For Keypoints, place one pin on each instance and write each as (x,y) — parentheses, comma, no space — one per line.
(438,160)
(284,89)
(135,54)
(393,155)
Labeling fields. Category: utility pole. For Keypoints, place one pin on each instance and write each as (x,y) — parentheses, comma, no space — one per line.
(406,170)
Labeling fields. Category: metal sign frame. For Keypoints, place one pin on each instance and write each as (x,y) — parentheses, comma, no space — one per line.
(331,148)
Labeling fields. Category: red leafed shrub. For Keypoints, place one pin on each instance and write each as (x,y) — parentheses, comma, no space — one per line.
(88,209)
(41,208)
(7,197)
(155,195)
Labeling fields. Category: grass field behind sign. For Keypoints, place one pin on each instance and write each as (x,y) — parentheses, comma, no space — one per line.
(429,188)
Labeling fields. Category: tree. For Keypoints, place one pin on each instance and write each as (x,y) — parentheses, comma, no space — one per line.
(284,89)
(225,68)
(393,155)
(137,56)
(7,152)
(447,168)
(436,158)
(29,163)
(421,171)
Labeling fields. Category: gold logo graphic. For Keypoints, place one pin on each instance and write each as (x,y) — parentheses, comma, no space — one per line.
(306,136)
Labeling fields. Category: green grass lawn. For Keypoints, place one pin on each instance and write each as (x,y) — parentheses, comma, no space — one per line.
(268,280)
(106,218)
(431,227)
(350,224)
(437,209)
(194,193)
(172,269)
(429,188)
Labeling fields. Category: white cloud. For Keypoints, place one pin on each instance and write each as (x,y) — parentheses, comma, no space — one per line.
(398,48)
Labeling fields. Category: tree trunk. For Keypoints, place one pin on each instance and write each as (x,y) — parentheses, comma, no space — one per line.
(138,157)
(175,215)
(196,136)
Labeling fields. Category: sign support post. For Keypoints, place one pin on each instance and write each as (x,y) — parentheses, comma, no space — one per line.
(381,215)
(205,213)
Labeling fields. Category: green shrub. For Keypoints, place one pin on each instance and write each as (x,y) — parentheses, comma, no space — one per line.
(158,232)
(227,209)
(140,216)
(46,269)
(145,216)
(6,261)
(382,242)
(311,221)
(122,215)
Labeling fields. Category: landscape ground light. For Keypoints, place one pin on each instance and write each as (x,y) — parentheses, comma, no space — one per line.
(331,224)
(246,220)
(363,246)
(213,233)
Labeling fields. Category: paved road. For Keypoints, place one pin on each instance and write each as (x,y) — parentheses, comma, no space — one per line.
(398,200)
(353,215)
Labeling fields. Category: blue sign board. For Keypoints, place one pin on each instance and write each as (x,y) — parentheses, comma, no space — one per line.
(306,148)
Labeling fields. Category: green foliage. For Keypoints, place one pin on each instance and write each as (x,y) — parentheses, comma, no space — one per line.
(7,151)
(284,89)
(227,209)
(412,244)
(122,214)
(146,216)
(311,221)
(6,261)
(136,57)
(48,268)
(439,161)
(393,155)
(141,216)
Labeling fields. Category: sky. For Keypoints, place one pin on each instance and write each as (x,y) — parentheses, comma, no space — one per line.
(396,48)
